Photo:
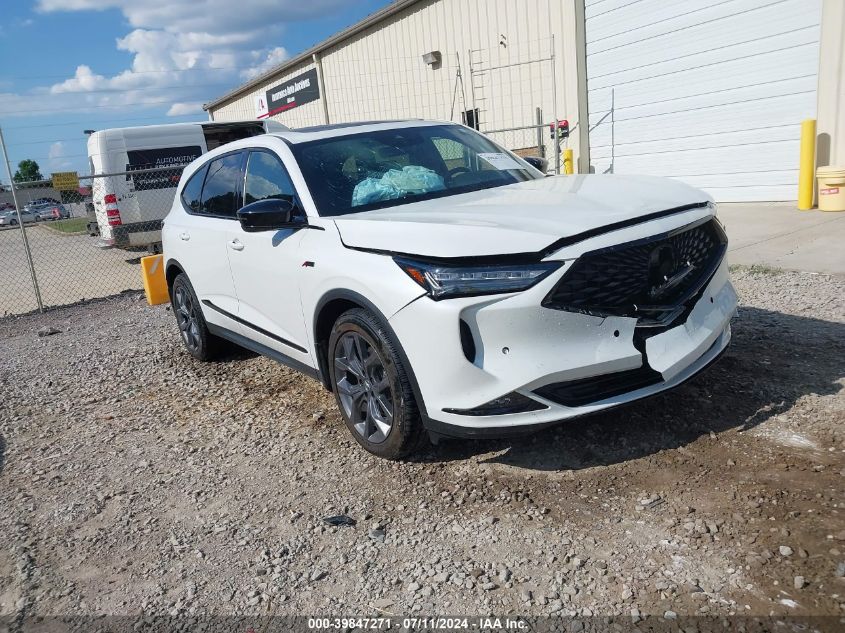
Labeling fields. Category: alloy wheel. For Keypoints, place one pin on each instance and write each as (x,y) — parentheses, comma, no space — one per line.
(363,387)
(186,317)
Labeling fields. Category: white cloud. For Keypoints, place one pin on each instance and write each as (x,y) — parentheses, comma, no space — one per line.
(180,109)
(56,157)
(182,54)
(273,58)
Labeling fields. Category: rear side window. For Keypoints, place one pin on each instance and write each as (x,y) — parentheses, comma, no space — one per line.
(266,177)
(193,190)
(221,192)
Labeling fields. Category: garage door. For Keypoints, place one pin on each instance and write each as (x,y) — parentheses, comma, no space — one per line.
(711,92)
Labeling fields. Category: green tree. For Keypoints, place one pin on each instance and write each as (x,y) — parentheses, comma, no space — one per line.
(28,170)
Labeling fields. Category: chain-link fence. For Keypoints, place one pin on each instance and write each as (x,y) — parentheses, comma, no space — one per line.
(61,246)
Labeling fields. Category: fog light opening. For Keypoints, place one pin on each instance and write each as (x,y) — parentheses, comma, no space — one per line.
(467,341)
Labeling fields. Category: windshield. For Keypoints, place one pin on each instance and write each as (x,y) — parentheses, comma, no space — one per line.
(373,170)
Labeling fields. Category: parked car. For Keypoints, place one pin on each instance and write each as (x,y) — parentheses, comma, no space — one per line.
(438,283)
(49,211)
(9,217)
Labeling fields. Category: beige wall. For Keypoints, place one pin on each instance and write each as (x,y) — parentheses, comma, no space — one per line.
(830,128)
(379,73)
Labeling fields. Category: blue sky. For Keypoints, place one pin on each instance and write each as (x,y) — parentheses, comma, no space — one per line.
(71,65)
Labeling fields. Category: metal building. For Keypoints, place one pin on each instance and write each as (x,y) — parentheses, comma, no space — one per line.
(708,91)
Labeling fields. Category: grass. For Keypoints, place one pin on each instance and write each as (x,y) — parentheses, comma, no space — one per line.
(71,225)
(756,269)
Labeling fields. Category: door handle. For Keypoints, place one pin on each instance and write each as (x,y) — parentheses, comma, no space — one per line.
(184,237)
(236,245)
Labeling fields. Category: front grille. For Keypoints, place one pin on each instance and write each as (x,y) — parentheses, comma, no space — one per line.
(652,279)
(576,393)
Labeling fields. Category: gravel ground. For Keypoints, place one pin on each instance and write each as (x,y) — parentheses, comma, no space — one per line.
(133,478)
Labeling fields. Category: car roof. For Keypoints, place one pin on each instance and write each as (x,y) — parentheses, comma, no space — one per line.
(316,132)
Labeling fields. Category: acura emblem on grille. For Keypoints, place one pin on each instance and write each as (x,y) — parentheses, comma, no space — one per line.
(664,270)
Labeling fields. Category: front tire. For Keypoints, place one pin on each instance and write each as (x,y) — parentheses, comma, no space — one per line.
(371,386)
(200,343)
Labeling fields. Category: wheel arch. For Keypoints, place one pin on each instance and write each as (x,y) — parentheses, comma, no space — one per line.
(330,306)
(171,271)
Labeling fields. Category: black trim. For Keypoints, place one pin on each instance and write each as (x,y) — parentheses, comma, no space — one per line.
(238,319)
(258,348)
(515,402)
(443,429)
(609,228)
(577,393)
(529,257)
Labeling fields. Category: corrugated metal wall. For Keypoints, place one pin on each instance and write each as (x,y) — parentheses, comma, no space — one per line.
(379,73)
(711,92)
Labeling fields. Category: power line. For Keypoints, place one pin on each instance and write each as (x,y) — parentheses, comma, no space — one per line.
(89,107)
(152,87)
(140,72)
(85,121)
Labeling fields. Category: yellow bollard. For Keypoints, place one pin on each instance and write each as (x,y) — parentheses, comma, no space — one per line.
(568,162)
(155,284)
(806,164)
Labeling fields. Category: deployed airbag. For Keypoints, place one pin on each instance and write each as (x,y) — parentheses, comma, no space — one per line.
(396,183)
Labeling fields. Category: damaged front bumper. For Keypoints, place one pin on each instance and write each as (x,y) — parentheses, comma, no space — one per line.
(495,365)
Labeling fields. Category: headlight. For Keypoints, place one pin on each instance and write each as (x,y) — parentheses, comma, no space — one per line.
(444,282)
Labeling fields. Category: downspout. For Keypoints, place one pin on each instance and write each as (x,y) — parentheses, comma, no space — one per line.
(318,62)
(583,104)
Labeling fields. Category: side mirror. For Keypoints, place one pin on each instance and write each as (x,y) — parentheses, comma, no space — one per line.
(271,214)
(537,163)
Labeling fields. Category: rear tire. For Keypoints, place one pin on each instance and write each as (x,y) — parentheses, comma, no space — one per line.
(200,343)
(371,386)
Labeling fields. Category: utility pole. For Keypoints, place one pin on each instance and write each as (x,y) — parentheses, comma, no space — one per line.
(20,224)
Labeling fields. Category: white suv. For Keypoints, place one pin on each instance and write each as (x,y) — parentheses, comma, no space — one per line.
(440,285)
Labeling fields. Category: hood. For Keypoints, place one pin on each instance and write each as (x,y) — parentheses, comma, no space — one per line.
(524,217)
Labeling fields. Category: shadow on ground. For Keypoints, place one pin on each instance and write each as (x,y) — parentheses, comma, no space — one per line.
(2,454)
(774,359)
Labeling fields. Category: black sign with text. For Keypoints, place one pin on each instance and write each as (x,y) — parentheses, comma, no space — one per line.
(160,158)
(293,93)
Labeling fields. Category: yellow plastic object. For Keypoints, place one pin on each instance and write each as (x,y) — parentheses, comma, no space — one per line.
(568,167)
(831,188)
(806,163)
(155,284)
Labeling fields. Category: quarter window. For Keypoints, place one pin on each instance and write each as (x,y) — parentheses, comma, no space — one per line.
(192,192)
(221,192)
(266,178)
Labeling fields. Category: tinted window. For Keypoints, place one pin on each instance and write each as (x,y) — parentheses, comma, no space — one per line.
(193,190)
(221,192)
(384,168)
(266,177)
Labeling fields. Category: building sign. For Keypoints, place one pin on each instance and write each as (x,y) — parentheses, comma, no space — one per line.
(261,110)
(293,93)
(170,160)
(65,180)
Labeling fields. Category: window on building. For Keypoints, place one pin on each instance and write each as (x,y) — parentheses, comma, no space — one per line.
(470,119)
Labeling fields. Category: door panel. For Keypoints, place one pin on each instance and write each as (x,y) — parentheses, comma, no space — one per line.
(266,266)
(210,199)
